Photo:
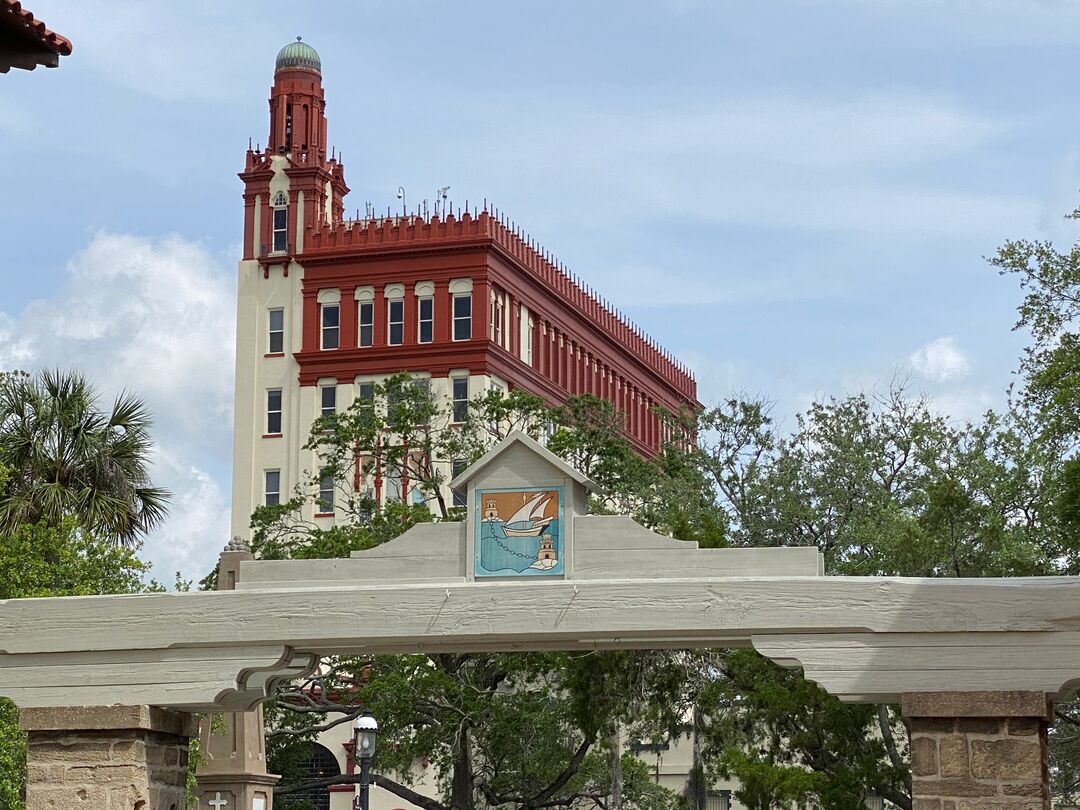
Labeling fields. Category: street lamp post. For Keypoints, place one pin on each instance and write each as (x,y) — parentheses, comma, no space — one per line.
(365,735)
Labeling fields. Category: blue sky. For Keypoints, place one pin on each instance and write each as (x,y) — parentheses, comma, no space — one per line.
(794,197)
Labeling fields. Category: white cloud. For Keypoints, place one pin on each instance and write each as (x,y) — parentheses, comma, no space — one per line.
(198,525)
(940,360)
(154,317)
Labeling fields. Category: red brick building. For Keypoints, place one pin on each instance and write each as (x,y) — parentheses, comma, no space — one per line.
(462,297)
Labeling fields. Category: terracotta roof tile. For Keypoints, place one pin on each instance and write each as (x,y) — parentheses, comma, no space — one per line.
(19,19)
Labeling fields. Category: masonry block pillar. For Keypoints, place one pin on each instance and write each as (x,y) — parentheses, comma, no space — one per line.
(106,757)
(978,750)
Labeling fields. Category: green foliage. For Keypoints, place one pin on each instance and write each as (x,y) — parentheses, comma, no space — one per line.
(42,560)
(1048,406)
(12,758)
(68,459)
(74,500)
(1050,280)
(787,740)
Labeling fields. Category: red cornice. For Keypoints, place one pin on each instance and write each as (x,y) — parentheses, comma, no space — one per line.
(413,235)
(438,358)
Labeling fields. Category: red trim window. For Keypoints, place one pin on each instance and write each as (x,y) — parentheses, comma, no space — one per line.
(330,318)
(273,412)
(275,331)
(395,321)
(425,320)
(463,316)
(366,334)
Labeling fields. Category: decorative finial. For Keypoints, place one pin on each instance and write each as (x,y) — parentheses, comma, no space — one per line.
(237,544)
(299,38)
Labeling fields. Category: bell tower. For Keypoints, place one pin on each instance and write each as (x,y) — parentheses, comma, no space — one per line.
(297,104)
(290,188)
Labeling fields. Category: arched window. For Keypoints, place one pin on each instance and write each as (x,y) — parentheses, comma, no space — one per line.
(281,222)
(318,764)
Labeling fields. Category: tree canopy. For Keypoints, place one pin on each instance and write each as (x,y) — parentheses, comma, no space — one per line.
(70,460)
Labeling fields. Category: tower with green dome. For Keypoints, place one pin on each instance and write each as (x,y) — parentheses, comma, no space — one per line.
(298,56)
(294,186)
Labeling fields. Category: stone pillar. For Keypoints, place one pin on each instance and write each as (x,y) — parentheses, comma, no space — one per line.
(232,770)
(106,758)
(978,750)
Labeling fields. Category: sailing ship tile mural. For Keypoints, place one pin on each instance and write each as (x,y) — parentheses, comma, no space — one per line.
(520,532)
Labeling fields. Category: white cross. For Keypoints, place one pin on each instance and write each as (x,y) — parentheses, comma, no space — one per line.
(217,802)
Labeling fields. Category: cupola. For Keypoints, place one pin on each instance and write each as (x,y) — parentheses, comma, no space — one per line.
(298,56)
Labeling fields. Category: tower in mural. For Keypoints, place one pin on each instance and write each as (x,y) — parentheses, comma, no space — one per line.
(328,306)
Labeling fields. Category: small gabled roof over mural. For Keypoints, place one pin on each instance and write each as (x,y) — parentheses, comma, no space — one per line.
(515,438)
(25,42)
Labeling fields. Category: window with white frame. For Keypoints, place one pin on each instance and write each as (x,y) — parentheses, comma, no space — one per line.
(331,325)
(425,319)
(463,316)
(497,317)
(272,487)
(273,412)
(460,394)
(275,331)
(395,321)
(328,400)
(281,223)
(366,313)
(326,492)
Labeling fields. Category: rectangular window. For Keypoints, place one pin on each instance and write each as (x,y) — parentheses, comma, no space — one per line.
(331,324)
(273,412)
(461,398)
(281,228)
(396,321)
(366,394)
(366,337)
(326,493)
(462,317)
(426,318)
(328,404)
(497,321)
(456,468)
(272,488)
(276,332)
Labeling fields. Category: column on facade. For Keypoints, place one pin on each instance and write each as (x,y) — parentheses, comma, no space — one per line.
(557,346)
(310,327)
(979,750)
(106,756)
(347,333)
(481,306)
(378,318)
(412,316)
(513,307)
(443,313)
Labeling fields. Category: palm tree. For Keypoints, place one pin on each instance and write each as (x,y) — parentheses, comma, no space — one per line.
(67,459)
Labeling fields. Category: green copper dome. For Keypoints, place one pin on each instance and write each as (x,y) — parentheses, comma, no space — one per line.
(298,56)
